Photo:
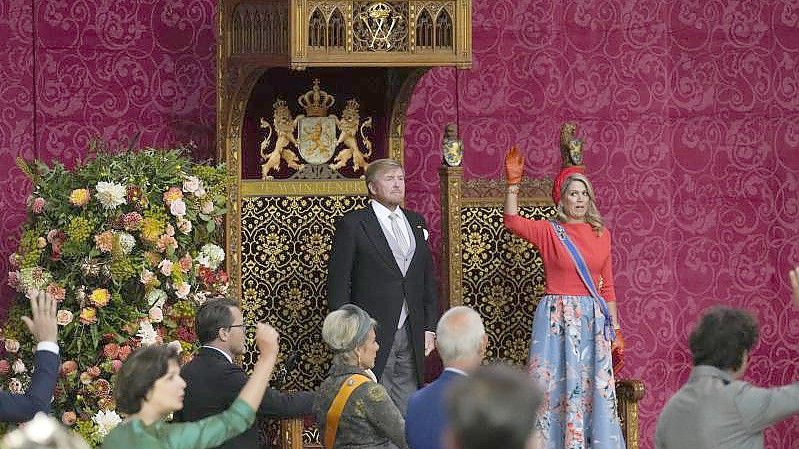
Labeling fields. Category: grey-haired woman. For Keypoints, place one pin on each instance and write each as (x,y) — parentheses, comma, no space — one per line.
(352,409)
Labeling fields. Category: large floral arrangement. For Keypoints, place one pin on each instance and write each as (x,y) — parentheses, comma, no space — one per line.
(127,243)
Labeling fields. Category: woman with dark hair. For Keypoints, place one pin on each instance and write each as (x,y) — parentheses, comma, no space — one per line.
(149,388)
(575,322)
(352,409)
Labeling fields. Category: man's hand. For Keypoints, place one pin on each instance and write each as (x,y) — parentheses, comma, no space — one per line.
(794,275)
(43,325)
(429,342)
(266,339)
(514,166)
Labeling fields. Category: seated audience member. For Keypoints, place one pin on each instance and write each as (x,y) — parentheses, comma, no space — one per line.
(43,432)
(352,409)
(213,381)
(22,407)
(149,387)
(461,341)
(715,409)
(494,407)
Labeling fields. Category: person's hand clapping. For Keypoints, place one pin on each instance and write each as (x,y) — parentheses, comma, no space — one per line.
(43,325)
(514,166)
(266,339)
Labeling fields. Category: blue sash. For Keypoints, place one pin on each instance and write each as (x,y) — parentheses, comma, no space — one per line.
(585,275)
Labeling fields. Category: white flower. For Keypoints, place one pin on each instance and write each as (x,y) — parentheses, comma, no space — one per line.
(170,230)
(14,385)
(207,207)
(147,333)
(156,314)
(156,297)
(106,420)
(126,241)
(178,208)
(200,193)
(191,184)
(182,290)
(166,267)
(199,298)
(211,256)
(111,194)
(184,225)
(12,345)
(63,317)
(147,277)
(176,344)
(19,367)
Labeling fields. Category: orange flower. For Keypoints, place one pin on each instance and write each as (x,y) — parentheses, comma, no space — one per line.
(88,315)
(173,194)
(104,241)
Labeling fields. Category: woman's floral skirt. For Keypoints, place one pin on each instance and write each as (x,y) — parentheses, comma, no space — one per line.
(570,360)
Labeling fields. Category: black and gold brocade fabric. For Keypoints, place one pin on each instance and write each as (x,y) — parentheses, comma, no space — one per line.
(503,278)
(285,250)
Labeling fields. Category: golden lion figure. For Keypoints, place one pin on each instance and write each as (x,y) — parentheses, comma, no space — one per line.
(571,148)
(348,124)
(284,127)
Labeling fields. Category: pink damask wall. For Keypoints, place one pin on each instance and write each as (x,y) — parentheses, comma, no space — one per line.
(690,109)
(691,113)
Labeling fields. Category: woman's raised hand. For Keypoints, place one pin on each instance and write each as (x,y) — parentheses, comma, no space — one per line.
(514,166)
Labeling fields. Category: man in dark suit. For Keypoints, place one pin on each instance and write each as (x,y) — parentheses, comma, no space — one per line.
(21,407)
(213,381)
(461,341)
(381,263)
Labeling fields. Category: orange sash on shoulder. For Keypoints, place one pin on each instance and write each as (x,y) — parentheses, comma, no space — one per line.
(334,413)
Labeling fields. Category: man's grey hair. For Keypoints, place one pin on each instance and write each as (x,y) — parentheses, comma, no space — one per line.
(496,406)
(459,334)
(379,166)
(346,329)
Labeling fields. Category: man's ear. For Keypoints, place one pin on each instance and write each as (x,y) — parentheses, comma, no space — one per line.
(369,189)
(222,334)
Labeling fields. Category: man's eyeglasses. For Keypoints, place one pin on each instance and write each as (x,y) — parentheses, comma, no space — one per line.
(243,325)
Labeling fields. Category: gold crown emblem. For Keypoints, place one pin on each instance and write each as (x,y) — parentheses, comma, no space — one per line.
(379,10)
(316,102)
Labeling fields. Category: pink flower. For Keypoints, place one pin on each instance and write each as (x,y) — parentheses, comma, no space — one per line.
(64,317)
(182,290)
(104,241)
(69,418)
(69,367)
(172,195)
(185,263)
(13,259)
(56,292)
(56,237)
(132,221)
(5,367)
(13,280)
(38,205)
(111,350)
(116,364)
(147,277)
(156,314)
(170,230)
(166,267)
(166,242)
(178,208)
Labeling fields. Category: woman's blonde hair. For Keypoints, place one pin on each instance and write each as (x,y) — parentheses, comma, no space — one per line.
(344,330)
(592,215)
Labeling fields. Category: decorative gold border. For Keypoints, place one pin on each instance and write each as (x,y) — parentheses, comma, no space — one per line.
(300,188)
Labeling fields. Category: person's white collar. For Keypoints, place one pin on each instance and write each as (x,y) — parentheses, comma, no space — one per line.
(457,371)
(227,356)
(383,212)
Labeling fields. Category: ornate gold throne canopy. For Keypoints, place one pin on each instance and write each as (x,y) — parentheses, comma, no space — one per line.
(317,33)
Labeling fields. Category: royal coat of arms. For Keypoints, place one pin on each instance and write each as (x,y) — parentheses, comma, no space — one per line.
(319,135)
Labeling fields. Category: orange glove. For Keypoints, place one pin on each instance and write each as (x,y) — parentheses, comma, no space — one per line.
(514,166)
(617,352)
